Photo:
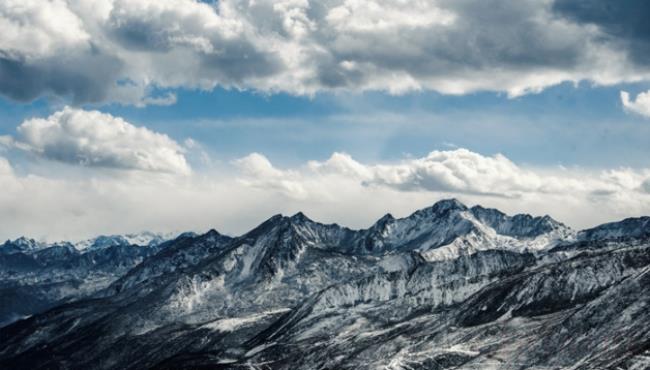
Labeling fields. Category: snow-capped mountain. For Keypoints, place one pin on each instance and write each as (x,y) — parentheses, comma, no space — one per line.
(143,239)
(449,229)
(21,245)
(446,287)
(35,276)
(629,228)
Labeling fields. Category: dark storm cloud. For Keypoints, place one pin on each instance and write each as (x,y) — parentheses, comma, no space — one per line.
(624,21)
(237,62)
(84,80)
(140,35)
(230,61)
(301,47)
(484,34)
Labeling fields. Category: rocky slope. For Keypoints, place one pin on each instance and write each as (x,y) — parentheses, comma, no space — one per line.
(447,287)
(35,276)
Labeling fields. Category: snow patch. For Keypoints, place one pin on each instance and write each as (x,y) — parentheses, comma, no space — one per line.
(234,323)
(193,293)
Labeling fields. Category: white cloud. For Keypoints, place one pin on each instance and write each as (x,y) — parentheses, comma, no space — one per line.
(341,164)
(640,105)
(129,51)
(461,171)
(370,16)
(95,139)
(5,168)
(259,172)
(578,196)
(82,201)
(36,29)
(646,186)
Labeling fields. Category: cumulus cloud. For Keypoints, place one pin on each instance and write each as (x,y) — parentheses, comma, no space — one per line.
(235,197)
(459,170)
(34,29)
(341,164)
(5,168)
(260,173)
(462,171)
(639,105)
(645,186)
(493,180)
(128,51)
(95,139)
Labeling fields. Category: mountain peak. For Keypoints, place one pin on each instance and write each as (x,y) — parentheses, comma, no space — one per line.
(143,239)
(519,225)
(300,217)
(211,232)
(451,203)
(386,218)
(265,226)
(480,209)
(629,227)
(441,207)
(22,244)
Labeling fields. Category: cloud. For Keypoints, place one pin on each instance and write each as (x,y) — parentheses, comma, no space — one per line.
(233,198)
(341,164)
(5,168)
(462,171)
(492,180)
(95,139)
(129,51)
(645,186)
(623,22)
(640,105)
(259,172)
(33,29)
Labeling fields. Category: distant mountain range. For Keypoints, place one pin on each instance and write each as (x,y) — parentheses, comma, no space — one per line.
(26,245)
(35,276)
(448,287)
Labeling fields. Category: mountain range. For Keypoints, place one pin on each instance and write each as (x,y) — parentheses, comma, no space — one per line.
(448,287)
(35,276)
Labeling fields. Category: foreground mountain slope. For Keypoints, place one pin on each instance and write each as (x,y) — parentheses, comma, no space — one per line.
(447,287)
(557,316)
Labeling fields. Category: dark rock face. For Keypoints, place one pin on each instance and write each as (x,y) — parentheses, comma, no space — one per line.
(518,225)
(296,294)
(629,228)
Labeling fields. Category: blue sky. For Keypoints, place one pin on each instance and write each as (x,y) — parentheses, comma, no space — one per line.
(121,116)
(565,125)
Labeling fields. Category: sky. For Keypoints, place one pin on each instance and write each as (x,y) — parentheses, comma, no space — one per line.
(122,116)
